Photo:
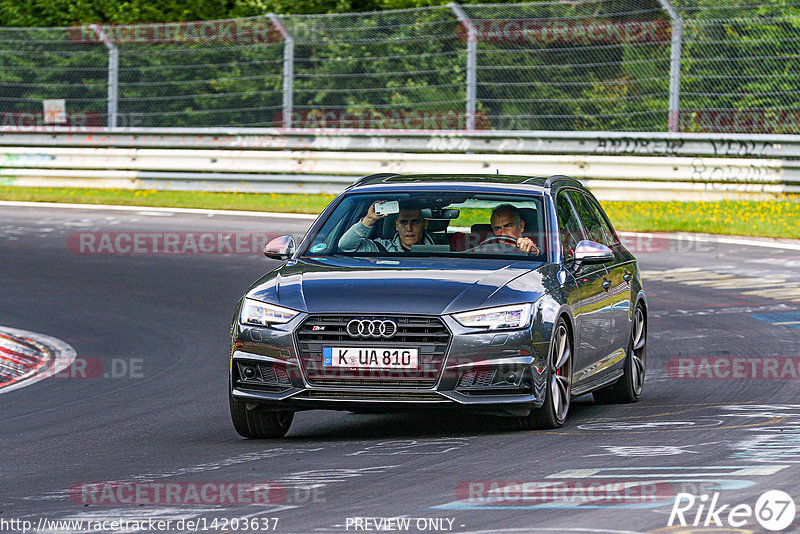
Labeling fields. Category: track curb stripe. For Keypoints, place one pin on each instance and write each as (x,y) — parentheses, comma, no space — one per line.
(53,356)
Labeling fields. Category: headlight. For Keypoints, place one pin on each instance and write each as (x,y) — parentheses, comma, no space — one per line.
(501,318)
(262,314)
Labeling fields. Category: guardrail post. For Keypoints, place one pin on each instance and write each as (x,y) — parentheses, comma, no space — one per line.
(472,62)
(113,74)
(674,65)
(288,70)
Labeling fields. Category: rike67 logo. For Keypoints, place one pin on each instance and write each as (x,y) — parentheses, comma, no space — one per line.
(774,511)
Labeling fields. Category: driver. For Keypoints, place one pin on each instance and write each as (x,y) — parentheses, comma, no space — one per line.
(506,221)
(410,226)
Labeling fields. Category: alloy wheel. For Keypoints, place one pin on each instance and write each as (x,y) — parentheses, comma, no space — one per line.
(639,340)
(561,373)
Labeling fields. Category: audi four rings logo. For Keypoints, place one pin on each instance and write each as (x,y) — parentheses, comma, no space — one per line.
(366,328)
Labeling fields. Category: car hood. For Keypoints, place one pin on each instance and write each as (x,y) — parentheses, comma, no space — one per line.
(399,285)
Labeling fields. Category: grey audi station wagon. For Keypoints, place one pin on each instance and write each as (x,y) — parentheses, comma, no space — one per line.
(502,295)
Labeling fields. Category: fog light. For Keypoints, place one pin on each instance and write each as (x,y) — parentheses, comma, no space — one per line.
(511,378)
(249,372)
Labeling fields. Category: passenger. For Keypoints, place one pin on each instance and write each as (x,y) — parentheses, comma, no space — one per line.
(506,221)
(410,226)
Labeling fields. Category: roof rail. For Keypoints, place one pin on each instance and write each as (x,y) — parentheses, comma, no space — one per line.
(532,179)
(373,177)
(556,177)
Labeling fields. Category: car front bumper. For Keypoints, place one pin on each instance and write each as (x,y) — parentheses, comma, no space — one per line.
(501,373)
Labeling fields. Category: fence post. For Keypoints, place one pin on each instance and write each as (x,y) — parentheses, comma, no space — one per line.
(674,66)
(288,70)
(472,63)
(113,74)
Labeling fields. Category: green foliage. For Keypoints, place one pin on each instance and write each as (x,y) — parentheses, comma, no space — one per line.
(55,13)
(44,13)
(52,13)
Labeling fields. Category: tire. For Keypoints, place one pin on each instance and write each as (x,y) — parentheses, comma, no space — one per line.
(259,424)
(554,411)
(629,387)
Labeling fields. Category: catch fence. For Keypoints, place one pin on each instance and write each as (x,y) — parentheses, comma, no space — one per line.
(591,65)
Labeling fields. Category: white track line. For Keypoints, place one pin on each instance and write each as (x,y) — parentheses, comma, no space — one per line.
(702,238)
(719,239)
(14,203)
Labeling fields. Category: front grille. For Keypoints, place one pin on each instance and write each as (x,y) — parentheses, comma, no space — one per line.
(427,334)
(388,396)
(411,383)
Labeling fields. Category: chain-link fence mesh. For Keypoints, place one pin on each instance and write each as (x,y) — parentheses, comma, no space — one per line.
(550,65)
(220,73)
(594,64)
(393,69)
(38,64)
(217,73)
(740,68)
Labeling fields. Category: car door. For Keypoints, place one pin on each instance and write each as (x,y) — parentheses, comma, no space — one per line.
(621,272)
(616,285)
(582,290)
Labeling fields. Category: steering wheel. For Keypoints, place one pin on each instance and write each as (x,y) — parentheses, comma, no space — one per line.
(499,239)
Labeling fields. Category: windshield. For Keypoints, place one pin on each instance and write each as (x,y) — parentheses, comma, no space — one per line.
(468,225)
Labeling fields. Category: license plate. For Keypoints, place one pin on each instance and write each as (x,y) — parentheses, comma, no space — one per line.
(370,357)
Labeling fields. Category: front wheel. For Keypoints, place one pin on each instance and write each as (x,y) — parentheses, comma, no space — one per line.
(629,387)
(558,392)
(259,424)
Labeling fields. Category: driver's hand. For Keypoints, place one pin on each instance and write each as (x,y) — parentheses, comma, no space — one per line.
(371,217)
(526,245)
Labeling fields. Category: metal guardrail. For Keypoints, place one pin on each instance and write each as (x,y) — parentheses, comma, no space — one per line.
(494,141)
(636,166)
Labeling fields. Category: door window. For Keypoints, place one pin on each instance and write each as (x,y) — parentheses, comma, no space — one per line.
(568,226)
(596,227)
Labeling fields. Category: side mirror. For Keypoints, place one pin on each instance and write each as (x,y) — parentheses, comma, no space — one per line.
(589,252)
(280,248)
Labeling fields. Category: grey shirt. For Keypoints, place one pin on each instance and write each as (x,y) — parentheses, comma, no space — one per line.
(355,240)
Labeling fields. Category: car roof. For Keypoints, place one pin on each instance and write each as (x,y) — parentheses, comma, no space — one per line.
(476,181)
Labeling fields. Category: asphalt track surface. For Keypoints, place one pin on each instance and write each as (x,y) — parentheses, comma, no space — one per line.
(152,329)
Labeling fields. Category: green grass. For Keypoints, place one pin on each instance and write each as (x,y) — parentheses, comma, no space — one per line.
(172,199)
(767,219)
(731,217)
